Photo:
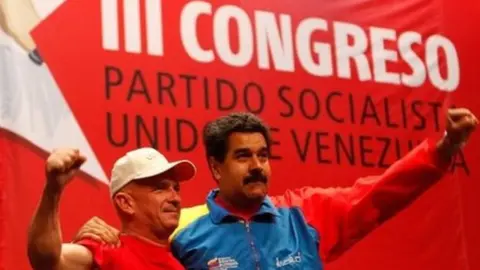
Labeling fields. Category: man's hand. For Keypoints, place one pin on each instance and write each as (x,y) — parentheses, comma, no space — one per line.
(98,230)
(460,124)
(61,166)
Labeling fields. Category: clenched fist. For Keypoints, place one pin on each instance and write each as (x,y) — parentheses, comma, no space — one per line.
(460,124)
(61,165)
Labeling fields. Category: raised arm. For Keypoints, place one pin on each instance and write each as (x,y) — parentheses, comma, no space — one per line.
(343,216)
(45,248)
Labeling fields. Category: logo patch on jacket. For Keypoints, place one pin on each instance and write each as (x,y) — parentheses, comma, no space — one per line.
(292,259)
(223,263)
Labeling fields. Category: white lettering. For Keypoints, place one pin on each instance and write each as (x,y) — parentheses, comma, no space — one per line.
(381,55)
(153,10)
(133,40)
(222,36)
(188,30)
(132,26)
(323,51)
(405,58)
(270,41)
(419,73)
(355,51)
(452,79)
(289,260)
(110,39)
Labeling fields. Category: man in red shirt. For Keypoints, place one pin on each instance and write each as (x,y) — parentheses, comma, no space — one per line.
(144,188)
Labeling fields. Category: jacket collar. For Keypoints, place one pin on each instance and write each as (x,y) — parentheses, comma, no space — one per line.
(218,213)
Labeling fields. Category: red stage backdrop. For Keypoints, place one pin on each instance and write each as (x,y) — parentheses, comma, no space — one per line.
(348,87)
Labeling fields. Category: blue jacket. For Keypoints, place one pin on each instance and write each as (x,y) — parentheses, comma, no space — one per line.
(275,238)
(303,227)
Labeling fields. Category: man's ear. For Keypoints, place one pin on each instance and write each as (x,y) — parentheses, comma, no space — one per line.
(125,203)
(215,168)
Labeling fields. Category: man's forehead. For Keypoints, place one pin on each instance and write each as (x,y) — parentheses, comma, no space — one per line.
(252,141)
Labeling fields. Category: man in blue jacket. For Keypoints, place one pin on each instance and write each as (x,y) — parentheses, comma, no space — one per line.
(241,227)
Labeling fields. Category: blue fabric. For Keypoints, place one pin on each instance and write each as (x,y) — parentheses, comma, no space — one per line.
(275,238)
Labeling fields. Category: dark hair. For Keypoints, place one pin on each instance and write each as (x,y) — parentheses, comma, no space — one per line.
(216,132)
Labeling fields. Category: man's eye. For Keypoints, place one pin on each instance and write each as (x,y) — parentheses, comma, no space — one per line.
(264,155)
(242,156)
(161,186)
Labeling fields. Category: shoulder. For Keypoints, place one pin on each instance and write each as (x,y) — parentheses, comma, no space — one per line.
(296,197)
(193,212)
(189,216)
(101,253)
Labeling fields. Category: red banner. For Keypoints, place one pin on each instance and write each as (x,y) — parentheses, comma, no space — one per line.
(347,88)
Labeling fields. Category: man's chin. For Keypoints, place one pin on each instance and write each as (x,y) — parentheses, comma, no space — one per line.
(170,226)
(256,191)
(171,219)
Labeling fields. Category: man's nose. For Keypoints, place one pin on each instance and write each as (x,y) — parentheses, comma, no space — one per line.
(175,196)
(255,163)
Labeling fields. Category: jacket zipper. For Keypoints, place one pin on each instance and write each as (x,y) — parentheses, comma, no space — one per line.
(252,245)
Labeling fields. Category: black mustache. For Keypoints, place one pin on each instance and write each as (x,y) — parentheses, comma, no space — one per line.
(255,176)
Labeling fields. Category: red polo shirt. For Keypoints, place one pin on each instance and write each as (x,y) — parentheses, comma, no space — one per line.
(134,253)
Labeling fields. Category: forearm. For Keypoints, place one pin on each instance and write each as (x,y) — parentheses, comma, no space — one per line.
(44,237)
(374,200)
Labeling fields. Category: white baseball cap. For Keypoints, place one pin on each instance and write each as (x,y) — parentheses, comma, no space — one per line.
(146,162)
